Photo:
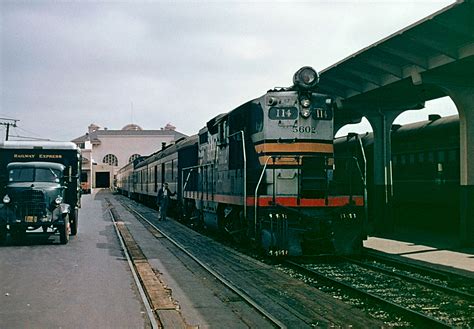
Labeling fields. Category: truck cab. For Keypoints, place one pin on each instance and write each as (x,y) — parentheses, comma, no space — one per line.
(34,199)
(39,188)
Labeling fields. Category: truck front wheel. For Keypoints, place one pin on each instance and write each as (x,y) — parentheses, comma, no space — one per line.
(17,233)
(64,230)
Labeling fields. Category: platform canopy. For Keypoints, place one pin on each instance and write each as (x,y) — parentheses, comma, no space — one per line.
(400,72)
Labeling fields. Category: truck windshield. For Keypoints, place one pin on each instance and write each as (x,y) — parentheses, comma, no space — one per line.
(34,175)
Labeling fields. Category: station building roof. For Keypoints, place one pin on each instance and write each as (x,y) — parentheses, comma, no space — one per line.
(394,73)
(95,133)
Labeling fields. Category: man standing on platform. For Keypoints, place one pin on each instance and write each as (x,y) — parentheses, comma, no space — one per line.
(163,199)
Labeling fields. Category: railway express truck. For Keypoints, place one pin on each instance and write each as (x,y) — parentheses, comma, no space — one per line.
(39,188)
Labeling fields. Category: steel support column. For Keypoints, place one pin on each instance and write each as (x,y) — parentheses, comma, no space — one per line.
(463,97)
(381,123)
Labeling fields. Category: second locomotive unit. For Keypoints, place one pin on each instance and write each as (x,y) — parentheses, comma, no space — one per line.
(265,172)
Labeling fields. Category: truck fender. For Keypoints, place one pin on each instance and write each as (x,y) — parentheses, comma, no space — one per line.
(60,211)
(65,208)
(6,214)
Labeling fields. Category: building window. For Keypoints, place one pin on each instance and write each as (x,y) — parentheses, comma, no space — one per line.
(110,159)
(133,157)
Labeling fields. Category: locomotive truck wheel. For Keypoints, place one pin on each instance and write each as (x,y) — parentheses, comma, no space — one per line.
(64,231)
(236,227)
(267,241)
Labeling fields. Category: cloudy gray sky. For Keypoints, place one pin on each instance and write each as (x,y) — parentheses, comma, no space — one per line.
(64,65)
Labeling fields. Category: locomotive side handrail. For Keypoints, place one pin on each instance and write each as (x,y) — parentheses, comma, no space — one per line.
(187,179)
(362,151)
(191,168)
(256,192)
(198,166)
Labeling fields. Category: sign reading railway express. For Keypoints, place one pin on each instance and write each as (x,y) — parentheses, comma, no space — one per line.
(37,156)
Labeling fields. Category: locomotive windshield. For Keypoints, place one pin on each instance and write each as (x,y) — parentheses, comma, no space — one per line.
(18,175)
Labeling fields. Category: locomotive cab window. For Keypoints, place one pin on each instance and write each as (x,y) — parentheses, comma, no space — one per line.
(222,133)
(247,118)
(256,119)
(203,139)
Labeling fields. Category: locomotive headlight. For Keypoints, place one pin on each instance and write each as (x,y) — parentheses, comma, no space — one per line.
(58,200)
(306,78)
(272,101)
(305,102)
(6,199)
(305,112)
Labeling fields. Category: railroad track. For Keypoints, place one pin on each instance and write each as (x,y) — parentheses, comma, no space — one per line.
(283,300)
(449,282)
(419,300)
(244,296)
(427,312)
(137,276)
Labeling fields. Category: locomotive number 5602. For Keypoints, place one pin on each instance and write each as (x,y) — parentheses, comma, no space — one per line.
(304,129)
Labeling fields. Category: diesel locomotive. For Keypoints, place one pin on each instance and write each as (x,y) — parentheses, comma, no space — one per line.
(264,173)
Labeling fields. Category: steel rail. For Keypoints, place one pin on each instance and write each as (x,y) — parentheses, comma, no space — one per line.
(407,277)
(416,317)
(225,282)
(141,290)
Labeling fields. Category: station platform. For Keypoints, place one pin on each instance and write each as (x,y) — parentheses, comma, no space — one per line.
(432,250)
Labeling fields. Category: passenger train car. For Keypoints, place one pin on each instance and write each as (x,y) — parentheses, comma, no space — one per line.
(425,163)
(264,173)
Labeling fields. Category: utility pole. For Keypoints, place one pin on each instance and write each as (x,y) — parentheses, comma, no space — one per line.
(8,122)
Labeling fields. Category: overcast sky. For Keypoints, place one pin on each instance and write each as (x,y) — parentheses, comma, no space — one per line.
(65,65)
